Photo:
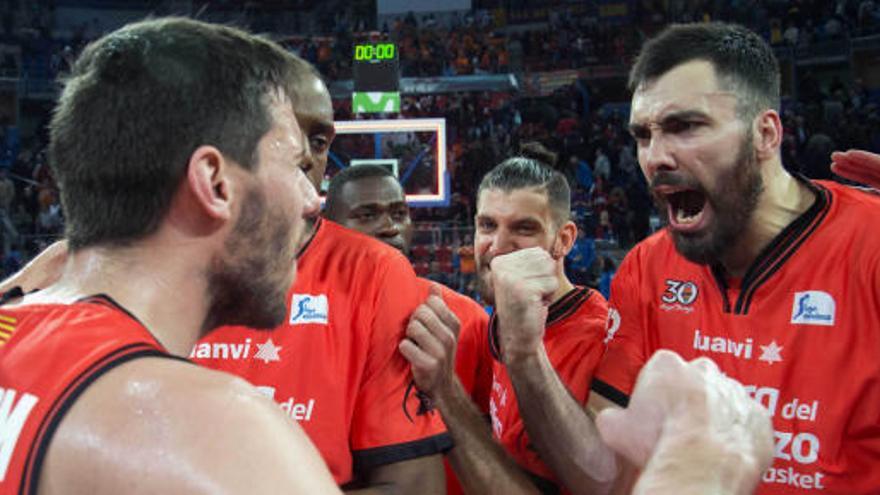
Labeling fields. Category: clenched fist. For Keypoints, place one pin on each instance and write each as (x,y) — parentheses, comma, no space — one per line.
(689,416)
(524,282)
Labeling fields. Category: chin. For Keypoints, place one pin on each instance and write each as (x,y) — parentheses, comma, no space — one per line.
(702,249)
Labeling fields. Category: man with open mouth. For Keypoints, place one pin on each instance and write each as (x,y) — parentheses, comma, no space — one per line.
(774,277)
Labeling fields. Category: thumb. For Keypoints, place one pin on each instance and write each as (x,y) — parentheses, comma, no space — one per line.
(611,423)
(628,438)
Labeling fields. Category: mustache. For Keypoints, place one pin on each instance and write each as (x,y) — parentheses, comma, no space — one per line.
(664,178)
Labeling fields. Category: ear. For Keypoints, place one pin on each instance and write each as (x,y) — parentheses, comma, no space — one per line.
(209,182)
(767,132)
(564,239)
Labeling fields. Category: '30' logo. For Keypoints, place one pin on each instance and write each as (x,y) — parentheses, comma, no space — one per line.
(679,292)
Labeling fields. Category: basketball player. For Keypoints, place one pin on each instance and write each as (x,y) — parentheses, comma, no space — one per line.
(771,276)
(333,365)
(521,204)
(180,183)
(370,200)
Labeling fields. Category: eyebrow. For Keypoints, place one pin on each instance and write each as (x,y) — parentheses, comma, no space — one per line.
(376,205)
(526,222)
(671,117)
(325,128)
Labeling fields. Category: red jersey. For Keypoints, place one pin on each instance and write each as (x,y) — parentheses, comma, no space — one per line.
(799,331)
(334,366)
(473,361)
(49,354)
(573,339)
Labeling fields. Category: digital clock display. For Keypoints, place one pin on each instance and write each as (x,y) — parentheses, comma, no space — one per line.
(376,67)
(379,51)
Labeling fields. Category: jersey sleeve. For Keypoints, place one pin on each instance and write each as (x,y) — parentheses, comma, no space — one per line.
(576,361)
(624,336)
(391,421)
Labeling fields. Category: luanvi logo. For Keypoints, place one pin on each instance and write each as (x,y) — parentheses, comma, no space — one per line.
(266,351)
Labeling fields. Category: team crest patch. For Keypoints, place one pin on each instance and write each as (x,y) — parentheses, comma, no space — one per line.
(679,295)
(813,307)
(309,308)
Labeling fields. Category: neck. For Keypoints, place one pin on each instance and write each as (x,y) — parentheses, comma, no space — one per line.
(565,286)
(147,280)
(783,200)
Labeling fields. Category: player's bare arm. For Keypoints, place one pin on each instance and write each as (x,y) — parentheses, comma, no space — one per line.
(480,463)
(40,272)
(564,435)
(691,429)
(860,166)
(177,428)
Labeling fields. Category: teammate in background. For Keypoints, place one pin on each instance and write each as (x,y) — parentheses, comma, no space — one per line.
(771,276)
(523,208)
(178,183)
(333,365)
(369,199)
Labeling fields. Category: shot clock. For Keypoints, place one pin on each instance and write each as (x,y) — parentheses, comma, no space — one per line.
(376,69)
(375,52)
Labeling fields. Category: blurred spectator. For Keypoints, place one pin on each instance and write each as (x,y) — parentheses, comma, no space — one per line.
(580,260)
(607,268)
(7,197)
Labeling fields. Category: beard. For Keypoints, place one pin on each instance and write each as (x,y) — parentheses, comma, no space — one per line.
(484,282)
(248,281)
(733,201)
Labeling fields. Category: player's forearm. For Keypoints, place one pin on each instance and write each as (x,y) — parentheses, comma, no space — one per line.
(478,460)
(564,435)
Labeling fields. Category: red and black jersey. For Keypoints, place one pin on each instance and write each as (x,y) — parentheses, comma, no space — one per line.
(334,366)
(801,330)
(573,339)
(49,354)
(473,360)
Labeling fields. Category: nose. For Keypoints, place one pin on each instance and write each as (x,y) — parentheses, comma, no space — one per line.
(656,155)
(501,243)
(387,226)
(311,201)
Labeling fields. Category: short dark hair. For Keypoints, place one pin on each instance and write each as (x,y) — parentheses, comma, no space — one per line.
(742,60)
(520,172)
(139,101)
(350,174)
